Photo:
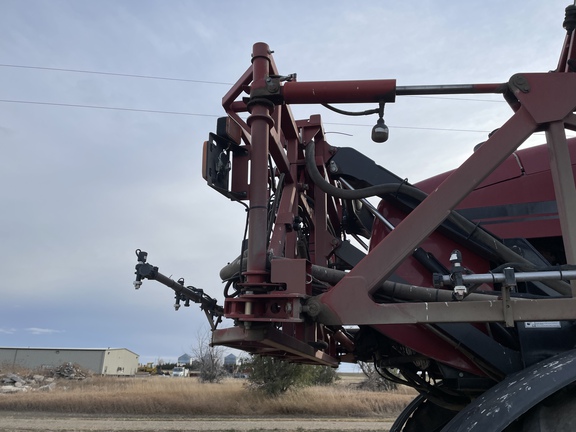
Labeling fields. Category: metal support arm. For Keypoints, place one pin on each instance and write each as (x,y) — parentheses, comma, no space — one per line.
(209,305)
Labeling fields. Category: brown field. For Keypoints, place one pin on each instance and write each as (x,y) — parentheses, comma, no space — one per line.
(142,400)
(185,396)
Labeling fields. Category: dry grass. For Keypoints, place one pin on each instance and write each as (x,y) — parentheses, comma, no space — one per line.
(187,397)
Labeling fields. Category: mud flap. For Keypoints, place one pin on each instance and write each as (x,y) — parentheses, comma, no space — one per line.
(516,395)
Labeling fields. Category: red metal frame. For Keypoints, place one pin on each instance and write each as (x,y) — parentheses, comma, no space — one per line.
(276,288)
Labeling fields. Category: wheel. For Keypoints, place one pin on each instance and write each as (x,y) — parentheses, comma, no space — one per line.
(426,417)
(540,398)
(406,413)
(557,413)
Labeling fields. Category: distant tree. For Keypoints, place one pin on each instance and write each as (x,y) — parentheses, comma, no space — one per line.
(159,364)
(374,381)
(323,375)
(169,365)
(274,376)
(209,359)
(195,365)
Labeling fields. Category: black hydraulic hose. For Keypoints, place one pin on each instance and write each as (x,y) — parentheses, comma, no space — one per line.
(349,194)
(351,113)
(489,241)
(397,290)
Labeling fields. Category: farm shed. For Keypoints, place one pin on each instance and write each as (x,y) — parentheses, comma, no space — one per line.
(103,361)
(184,360)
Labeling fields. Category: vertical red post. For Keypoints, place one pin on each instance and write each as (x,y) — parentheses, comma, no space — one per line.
(260,122)
(564,188)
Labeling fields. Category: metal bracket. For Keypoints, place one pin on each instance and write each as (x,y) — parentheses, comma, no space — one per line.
(460,290)
(509,283)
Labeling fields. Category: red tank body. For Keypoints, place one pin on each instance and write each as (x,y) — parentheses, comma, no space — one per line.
(517,200)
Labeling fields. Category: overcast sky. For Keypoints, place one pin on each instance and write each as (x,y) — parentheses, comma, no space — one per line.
(81,188)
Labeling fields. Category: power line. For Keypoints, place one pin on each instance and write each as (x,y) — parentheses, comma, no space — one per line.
(83,71)
(114,74)
(107,108)
(413,127)
(101,107)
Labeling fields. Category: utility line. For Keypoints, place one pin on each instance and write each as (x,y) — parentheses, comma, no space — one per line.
(413,127)
(101,107)
(203,81)
(114,74)
(107,108)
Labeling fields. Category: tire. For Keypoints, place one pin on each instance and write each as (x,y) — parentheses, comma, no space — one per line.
(557,413)
(428,417)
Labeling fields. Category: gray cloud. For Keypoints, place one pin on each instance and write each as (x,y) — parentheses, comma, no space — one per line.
(42,331)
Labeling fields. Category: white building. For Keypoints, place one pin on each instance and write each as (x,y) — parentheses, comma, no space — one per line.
(102,361)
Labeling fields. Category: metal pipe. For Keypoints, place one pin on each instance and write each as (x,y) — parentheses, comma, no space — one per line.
(325,92)
(260,123)
(357,91)
(490,278)
(449,89)
(363,91)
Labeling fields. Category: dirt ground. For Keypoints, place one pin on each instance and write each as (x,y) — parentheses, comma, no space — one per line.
(15,421)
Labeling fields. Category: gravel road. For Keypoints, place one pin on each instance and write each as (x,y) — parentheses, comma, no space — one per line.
(13,421)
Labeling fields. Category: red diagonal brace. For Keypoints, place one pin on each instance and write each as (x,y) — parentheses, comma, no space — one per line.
(367,276)
(549,98)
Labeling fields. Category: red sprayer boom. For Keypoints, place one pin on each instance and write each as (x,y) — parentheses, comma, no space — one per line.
(464,283)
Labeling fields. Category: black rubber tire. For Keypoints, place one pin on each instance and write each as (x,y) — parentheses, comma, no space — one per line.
(428,417)
(401,420)
(557,413)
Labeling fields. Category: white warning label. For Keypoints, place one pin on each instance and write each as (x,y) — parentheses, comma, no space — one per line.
(542,324)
